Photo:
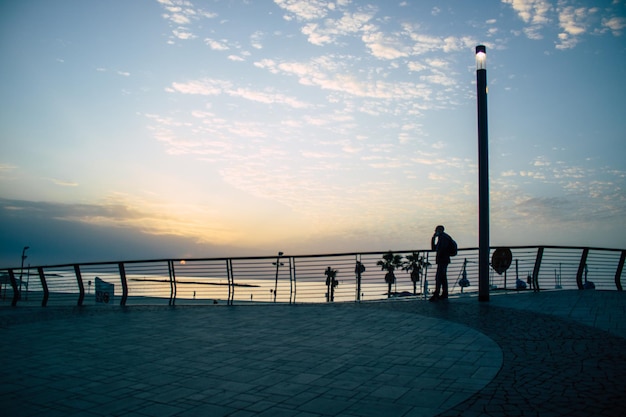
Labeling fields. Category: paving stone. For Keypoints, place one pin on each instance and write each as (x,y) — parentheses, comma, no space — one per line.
(527,354)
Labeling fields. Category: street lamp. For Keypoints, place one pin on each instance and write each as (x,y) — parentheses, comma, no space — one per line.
(483,174)
(481,57)
(278,264)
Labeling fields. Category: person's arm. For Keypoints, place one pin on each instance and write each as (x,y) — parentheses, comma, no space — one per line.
(433,245)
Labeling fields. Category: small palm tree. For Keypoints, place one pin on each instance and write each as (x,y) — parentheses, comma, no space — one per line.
(331,283)
(415,264)
(389,263)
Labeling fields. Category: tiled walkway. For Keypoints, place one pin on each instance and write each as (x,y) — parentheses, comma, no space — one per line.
(510,356)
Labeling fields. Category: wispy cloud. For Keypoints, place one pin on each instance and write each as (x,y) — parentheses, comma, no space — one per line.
(7,167)
(616,24)
(331,30)
(63,183)
(256,39)
(183,34)
(559,195)
(330,74)
(217,45)
(384,46)
(208,87)
(181,14)
(304,9)
(569,18)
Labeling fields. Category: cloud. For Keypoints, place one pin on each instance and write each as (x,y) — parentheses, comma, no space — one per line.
(422,43)
(183,34)
(119,211)
(255,40)
(304,9)
(384,46)
(322,29)
(7,167)
(328,74)
(204,87)
(63,183)
(416,66)
(547,209)
(534,12)
(211,87)
(440,78)
(216,45)
(615,24)
(557,196)
(181,14)
(44,226)
(331,29)
(268,97)
(179,19)
(541,161)
(573,20)
(296,175)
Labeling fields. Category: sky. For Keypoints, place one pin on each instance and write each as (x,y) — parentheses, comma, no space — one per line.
(154,129)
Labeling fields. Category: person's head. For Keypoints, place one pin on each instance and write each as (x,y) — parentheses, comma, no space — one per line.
(439,229)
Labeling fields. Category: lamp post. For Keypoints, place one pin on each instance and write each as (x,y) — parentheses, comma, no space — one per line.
(278,264)
(483,175)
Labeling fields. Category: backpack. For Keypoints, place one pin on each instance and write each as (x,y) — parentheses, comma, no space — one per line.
(453,249)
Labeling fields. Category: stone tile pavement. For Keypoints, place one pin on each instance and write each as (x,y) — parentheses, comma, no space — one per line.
(564,353)
(519,354)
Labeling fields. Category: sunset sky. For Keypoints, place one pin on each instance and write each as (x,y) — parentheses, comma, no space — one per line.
(171,128)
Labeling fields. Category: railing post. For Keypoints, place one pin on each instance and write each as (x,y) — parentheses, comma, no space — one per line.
(44,285)
(124,284)
(425,280)
(81,286)
(581,269)
(292,280)
(170,266)
(231,281)
(16,294)
(536,268)
(618,273)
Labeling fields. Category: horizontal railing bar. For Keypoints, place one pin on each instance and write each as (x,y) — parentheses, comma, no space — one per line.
(326,255)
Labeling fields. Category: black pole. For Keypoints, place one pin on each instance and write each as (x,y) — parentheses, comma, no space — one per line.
(483,176)
(278,264)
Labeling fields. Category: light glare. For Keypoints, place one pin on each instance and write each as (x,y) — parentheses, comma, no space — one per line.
(481,60)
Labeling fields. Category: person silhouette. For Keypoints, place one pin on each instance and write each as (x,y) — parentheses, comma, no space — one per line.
(445,246)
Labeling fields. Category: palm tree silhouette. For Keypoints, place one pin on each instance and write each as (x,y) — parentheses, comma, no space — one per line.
(389,263)
(415,264)
(331,283)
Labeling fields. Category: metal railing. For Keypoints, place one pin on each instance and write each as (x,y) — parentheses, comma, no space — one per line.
(299,279)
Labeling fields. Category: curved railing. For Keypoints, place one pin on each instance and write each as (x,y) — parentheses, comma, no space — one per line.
(299,279)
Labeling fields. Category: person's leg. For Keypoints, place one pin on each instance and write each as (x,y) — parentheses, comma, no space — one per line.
(444,280)
(437,283)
